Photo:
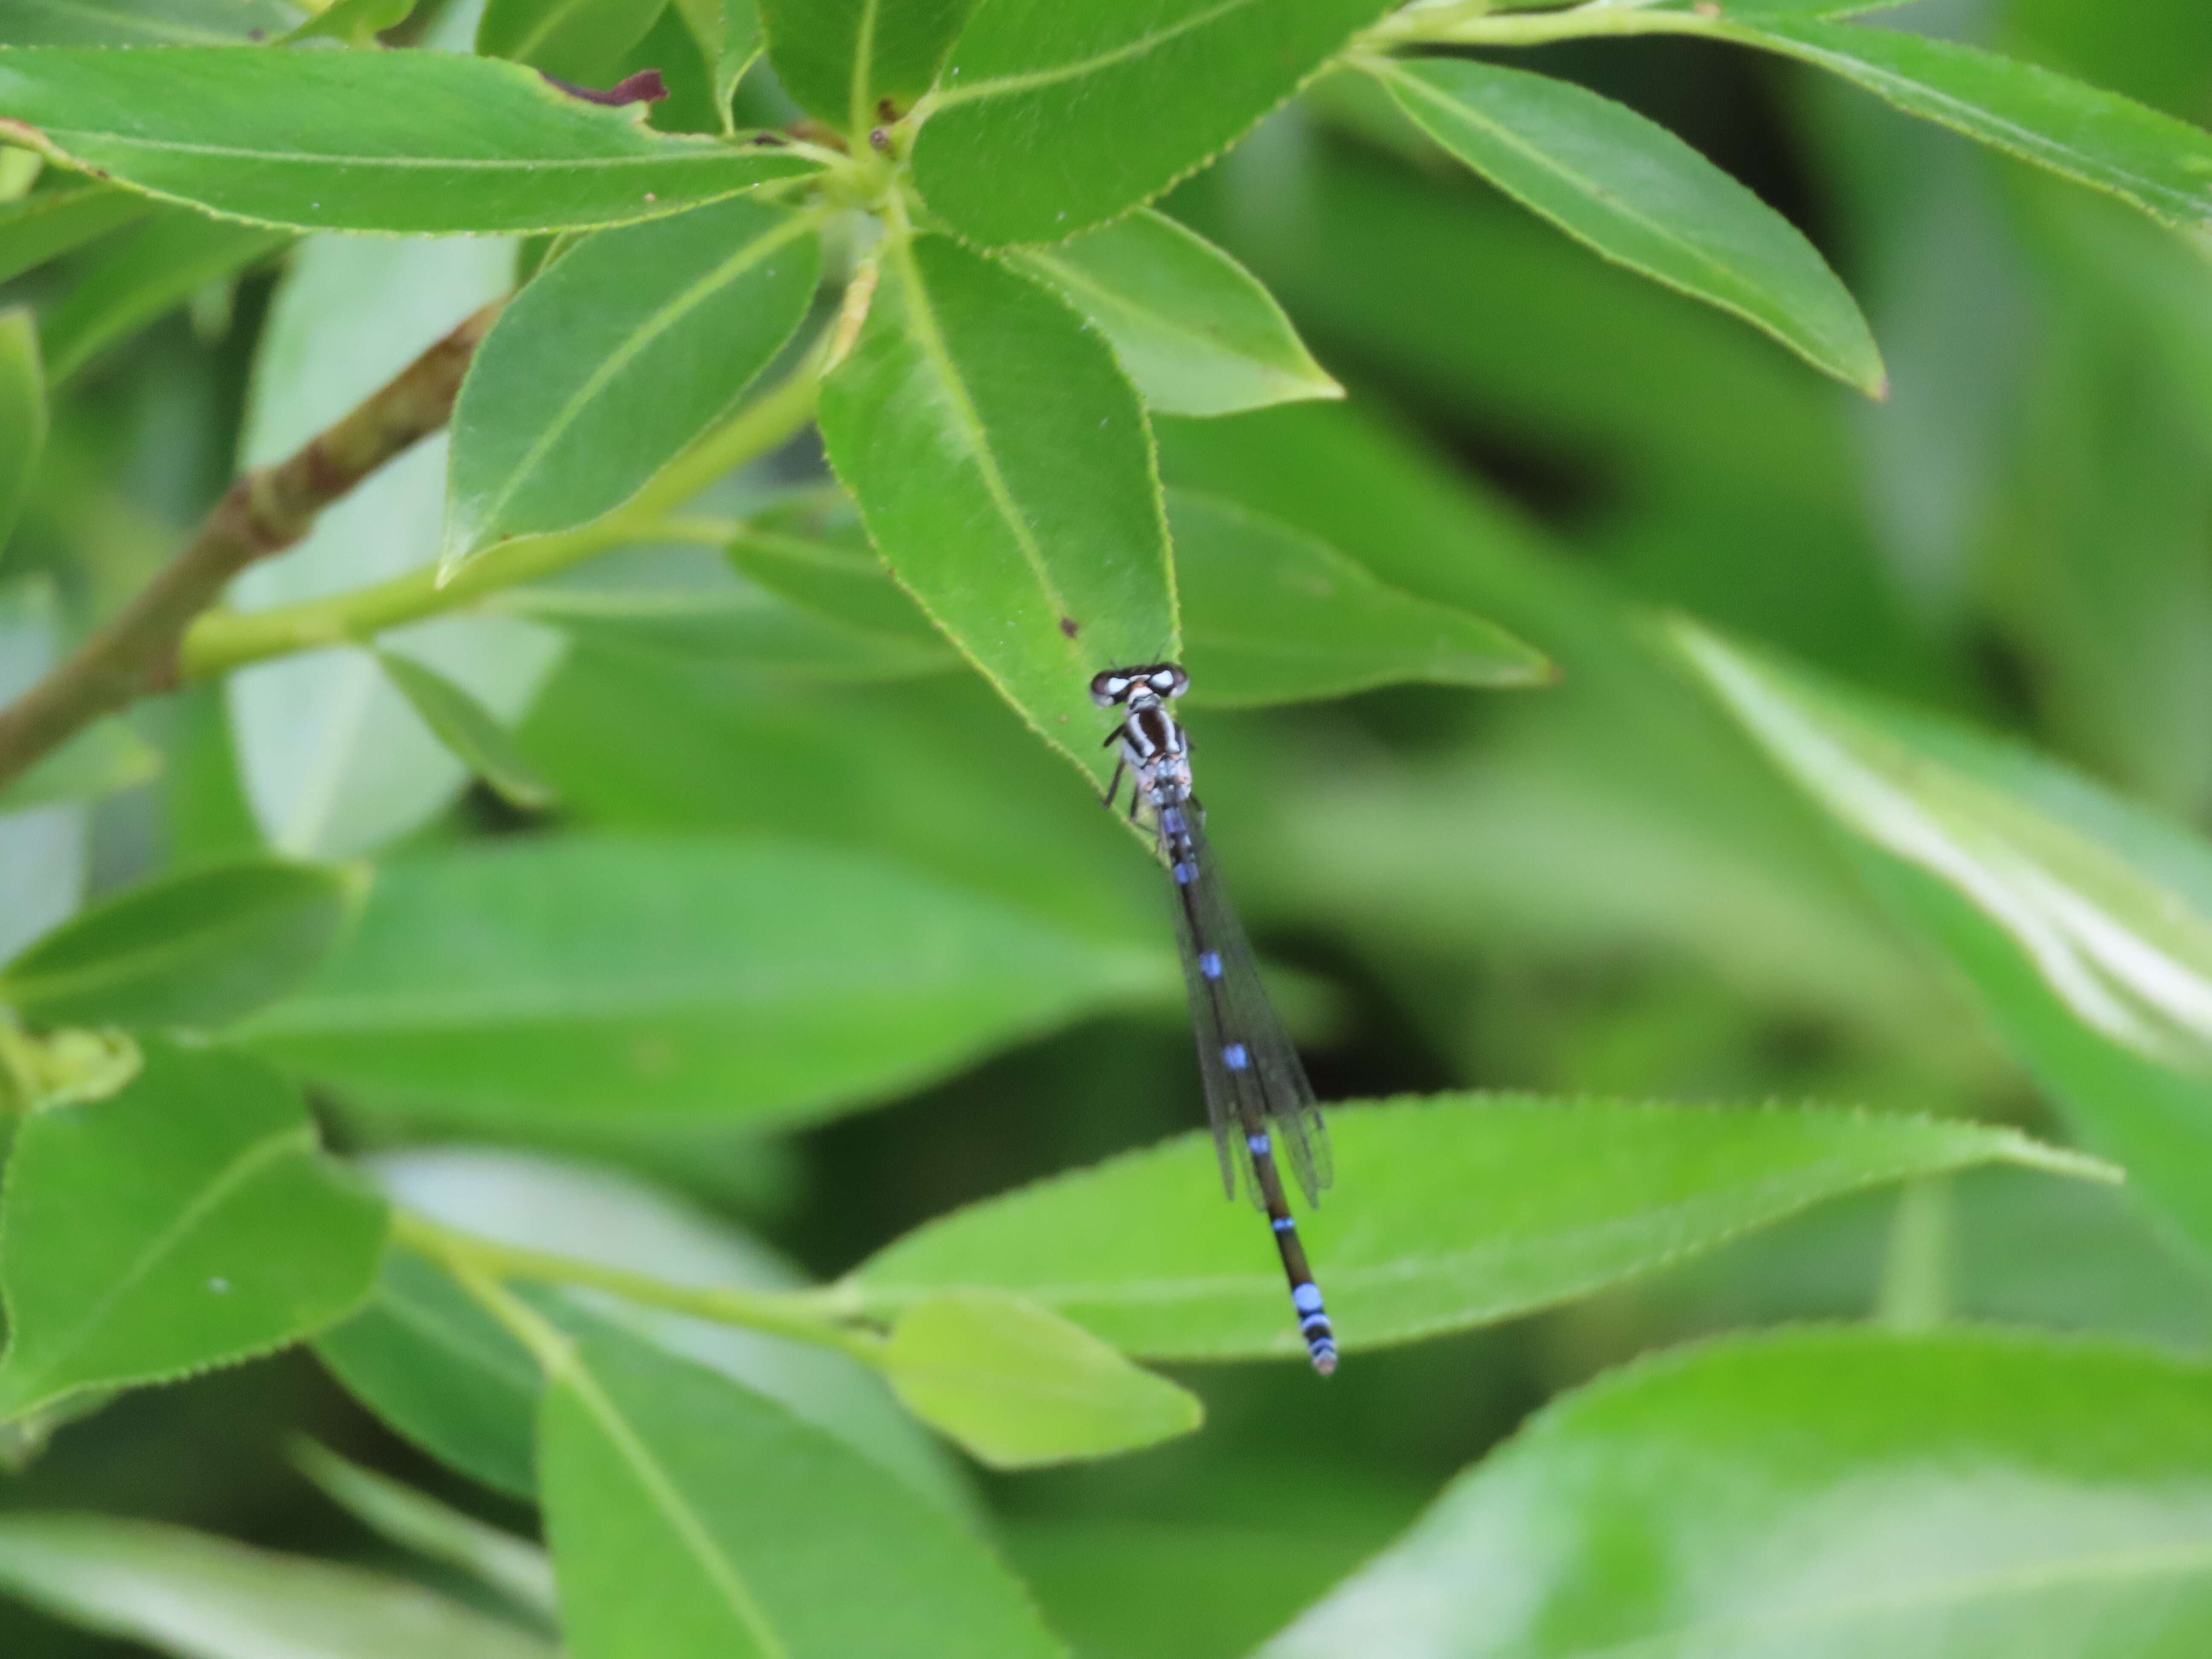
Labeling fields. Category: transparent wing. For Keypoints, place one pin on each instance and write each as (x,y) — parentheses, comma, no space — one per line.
(1234,1020)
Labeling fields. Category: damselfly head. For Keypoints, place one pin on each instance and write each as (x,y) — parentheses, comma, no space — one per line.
(1161,681)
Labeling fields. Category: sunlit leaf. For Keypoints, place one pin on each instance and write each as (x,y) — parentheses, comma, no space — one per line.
(2085,923)
(1827,1494)
(187,1222)
(1020,1387)
(1050,119)
(1642,197)
(189,1594)
(752,1527)
(1458,1211)
(614,360)
(1193,329)
(424,142)
(334,761)
(2097,137)
(1001,464)
(610,1218)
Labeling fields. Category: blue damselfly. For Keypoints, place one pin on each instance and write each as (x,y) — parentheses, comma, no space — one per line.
(1257,1097)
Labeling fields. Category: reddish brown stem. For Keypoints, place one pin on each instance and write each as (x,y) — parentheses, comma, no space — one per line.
(264,512)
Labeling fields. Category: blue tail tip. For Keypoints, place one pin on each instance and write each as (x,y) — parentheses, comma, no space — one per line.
(1324,1357)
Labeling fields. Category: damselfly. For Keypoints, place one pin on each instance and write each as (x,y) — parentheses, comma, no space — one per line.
(1256,1093)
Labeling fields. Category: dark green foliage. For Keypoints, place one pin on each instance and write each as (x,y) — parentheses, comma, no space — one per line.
(1606,709)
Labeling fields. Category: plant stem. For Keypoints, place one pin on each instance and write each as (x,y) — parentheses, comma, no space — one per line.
(1915,1293)
(1477,25)
(264,512)
(224,639)
(792,1313)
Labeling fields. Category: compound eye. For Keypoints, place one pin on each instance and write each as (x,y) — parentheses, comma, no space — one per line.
(1109,688)
(1169,681)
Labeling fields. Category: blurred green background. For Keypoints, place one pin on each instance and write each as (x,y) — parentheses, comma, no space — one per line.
(1594,888)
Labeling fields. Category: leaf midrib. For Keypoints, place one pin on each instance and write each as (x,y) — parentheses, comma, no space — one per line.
(2028,141)
(922,328)
(147,961)
(64,136)
(1007,85)
(1721,278)
(1745,1199)
(245,1164)
(691,1530)
(1074,277)
(618,363)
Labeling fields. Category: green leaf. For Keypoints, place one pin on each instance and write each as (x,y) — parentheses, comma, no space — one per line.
(1192,328)
(22,413)
(578,40)
(824,563)
(840,59)
(418,1522)
(1019,1387)
(424,142)
(1272,616)
(937,775)
(334,761)
(1642,198)
(1003,467)
(729,628)
(100,760)
(1458,1211)
(1822,1494)
(43,226)
(730,41)
(2096,137)
(42,850)
(2084,923)
(356,22)
(188,1593)
(612,1218)
(195,950)
(752,1527)
(426,1357)
(139,278)
(186,1222)
(677,980)
(144,22)
(1049,119)
(614,360)
(467,728)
